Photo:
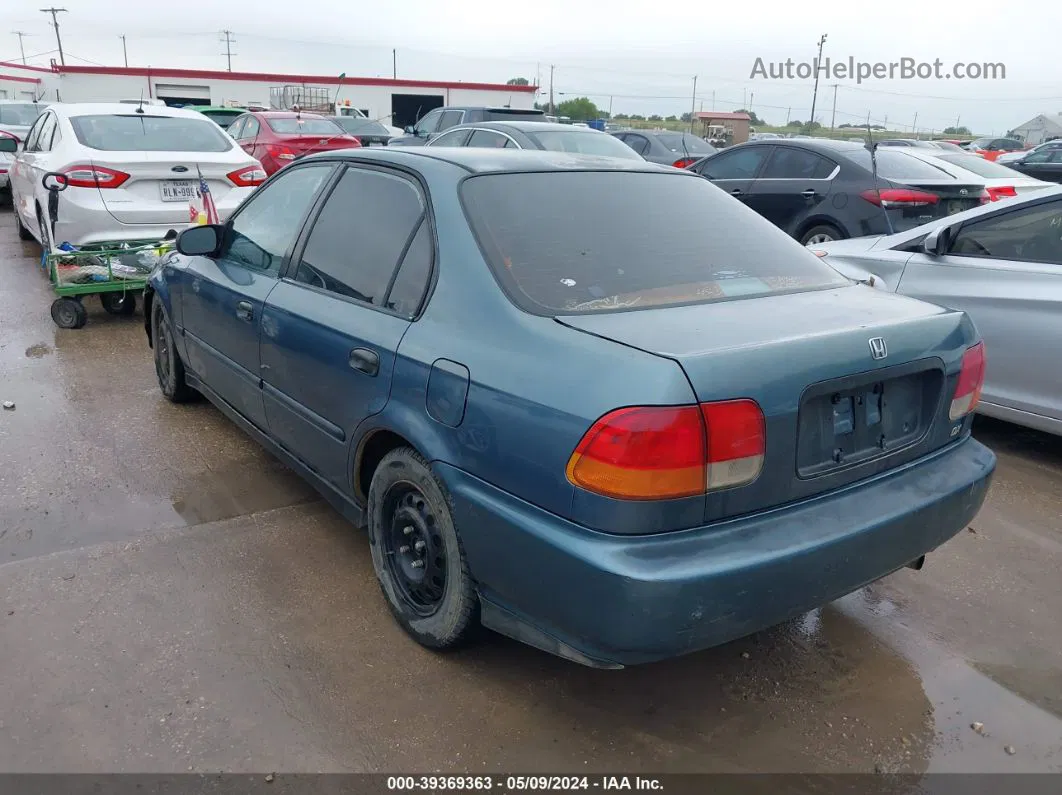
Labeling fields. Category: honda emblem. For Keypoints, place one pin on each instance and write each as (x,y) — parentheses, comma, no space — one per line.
(877,348)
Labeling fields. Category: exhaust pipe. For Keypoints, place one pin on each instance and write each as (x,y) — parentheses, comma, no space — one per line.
(917,563)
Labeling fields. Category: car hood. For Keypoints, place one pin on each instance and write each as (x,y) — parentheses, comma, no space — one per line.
(853,245)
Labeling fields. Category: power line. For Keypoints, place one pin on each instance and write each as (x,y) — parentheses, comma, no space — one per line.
(55,24)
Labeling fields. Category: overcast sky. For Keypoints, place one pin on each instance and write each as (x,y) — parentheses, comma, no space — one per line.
(642,55)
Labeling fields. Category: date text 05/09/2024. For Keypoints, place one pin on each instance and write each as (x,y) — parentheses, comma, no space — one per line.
(520,783)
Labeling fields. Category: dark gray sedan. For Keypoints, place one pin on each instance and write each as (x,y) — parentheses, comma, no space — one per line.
(534,135)
(678,149)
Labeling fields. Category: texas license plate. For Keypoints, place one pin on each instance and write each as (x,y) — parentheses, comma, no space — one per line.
(178,190)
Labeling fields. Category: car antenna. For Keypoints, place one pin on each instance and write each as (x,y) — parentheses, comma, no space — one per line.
(872,148)
(140,107)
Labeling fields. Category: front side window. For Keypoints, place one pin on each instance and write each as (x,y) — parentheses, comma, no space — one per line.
(1032,234)
(364,228)
(738,164)
(585,241)
(264,229)
(143,132)
(429,123)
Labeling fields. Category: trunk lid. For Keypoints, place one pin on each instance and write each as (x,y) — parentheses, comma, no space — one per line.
(161,184)
(834,414)
(308,144)
(952,197)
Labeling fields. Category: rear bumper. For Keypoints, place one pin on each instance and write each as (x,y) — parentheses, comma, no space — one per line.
(610,600)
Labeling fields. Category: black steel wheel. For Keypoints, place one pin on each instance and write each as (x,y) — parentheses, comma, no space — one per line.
(69,313)
(417,553)
(169,369)
(114,303)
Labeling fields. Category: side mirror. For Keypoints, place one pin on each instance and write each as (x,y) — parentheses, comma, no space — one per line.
(408,130)
(8,144)
(936,242)
(54,181)
(200,241)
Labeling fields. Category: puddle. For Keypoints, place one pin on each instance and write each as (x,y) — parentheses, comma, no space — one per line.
(38,351)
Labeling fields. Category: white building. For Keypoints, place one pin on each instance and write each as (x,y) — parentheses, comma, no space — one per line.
(401,101)
(1041,128)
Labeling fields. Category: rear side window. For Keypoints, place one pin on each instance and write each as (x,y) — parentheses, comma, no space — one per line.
(574,242)
(894,164)
(137,132)
(364,229)
(791,163)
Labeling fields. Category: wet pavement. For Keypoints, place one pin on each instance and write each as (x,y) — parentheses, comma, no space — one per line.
(173,599)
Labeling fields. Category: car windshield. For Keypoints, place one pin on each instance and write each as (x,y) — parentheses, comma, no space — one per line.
(893,163)
(979,166)
(685,142)
(144,132)
(22,114)
(223,117)
(599,241)
(587,143)
(356,125)
(304,126)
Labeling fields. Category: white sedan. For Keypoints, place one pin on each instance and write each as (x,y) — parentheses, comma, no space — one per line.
(131,173)
(1000,182)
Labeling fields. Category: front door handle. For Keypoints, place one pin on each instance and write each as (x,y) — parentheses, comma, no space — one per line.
(365,361)
(810,193)
(737,192)
(244,311)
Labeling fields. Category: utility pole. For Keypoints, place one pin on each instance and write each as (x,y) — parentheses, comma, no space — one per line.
(693,103)
(815,93)
(833,116)
(752,98)
(125,54)
(744,99)
(394,64)
(713,100)
(55,24)
(914,127)
(610,106)
(552,108)
(21,34)
(228,46)
(957,120)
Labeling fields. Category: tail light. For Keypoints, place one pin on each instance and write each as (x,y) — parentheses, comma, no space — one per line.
(280,152)
(90,176)
(667,452)
(1003,192)
(900,197)
(684,162)
(971,381)
(247,177)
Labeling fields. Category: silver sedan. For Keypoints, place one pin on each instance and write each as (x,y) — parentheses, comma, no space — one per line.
(1002,264)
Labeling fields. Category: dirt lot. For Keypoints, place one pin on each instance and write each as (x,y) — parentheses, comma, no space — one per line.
(173,599)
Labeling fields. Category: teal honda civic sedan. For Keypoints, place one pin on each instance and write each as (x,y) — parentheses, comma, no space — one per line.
(593,404)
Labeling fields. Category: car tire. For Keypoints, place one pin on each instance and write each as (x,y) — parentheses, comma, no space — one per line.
(169,369)
(23,232)
(822,233)
(417,553)
(115,303)
(69,313)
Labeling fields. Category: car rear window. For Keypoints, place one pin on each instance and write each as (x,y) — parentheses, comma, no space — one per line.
(136,132)
(514,115)
(19,114)
(356,125)
(894,164)
(684,142)
(587,142)
(224,118)
(599,241)
(979,166)
(304,126)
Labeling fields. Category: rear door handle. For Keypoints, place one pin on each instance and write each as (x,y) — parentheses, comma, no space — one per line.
(737,192)
(810,193)
(365,361)
(244,311)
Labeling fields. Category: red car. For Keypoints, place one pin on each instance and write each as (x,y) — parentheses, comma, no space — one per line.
(276,138)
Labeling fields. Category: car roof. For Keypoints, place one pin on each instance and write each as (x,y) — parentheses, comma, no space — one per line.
(73,109)
(489,160)
(216,108)
(287,114)
(521,126)
(806,143)
(500,108)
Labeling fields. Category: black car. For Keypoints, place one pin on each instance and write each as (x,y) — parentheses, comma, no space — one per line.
(1044,162)
(678,149)
(367,131)
(442,119)
(819,190)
